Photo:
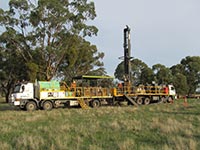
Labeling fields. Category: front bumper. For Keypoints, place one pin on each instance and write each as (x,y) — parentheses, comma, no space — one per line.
(16,103)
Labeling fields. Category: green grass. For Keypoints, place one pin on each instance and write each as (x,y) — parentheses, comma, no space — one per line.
(157,126)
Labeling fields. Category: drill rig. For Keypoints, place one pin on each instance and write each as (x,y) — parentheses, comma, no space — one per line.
(140,94)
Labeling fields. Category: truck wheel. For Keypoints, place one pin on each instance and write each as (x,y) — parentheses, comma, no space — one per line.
(170,100)
(31,106)
(163,100)
(147,101)
(47,105)
(95,103)
(139,101)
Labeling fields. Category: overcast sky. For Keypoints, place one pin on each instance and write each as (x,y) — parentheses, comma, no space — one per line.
(162,31)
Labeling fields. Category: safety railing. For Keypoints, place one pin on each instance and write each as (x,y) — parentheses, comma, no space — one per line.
(90,91)
(141,90)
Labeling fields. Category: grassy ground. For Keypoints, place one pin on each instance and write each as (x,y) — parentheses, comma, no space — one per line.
(157,126)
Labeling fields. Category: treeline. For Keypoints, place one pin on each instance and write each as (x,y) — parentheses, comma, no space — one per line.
(184,76)
(47,39)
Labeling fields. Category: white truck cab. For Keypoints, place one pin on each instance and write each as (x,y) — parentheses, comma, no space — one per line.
(22,91)
(172,91)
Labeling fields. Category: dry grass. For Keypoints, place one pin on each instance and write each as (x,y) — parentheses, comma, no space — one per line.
(157,126)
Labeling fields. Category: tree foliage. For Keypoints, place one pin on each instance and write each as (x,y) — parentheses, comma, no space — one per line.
(191,67)
(79,63)
(180,82)
(187,74)
(140,72)
(45,39)
(162,74)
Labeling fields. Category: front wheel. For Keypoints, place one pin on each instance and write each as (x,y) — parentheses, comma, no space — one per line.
(31,106)
(170,100)
(163,100)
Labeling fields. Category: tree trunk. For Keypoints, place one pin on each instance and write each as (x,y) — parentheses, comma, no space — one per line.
(7,97)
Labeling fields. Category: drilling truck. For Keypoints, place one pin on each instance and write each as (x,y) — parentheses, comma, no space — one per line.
(51,94)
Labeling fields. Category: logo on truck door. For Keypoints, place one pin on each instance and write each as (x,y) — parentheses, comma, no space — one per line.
(50,94)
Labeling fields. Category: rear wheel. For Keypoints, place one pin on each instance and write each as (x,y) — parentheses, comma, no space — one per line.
(95,103)
(163,100)
(31,106)
(47,105)
(139,101)
(147,101)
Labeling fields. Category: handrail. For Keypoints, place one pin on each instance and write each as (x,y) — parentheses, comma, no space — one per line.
(141,90)
(91,91)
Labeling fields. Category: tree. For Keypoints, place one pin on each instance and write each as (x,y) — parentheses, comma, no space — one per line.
(58,27)
(43,36)
(82,61)
(12,64)
(179,79)
(187,75)
(162,74)
(191,65)
(140,72)
(180,83)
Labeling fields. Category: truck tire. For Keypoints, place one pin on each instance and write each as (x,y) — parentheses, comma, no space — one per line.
(147,101)
(170,100)
(95,103)
(47,105)
(139,101)
(30,106)
(163,99)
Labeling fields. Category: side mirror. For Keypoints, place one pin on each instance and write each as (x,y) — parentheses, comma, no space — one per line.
(23,87)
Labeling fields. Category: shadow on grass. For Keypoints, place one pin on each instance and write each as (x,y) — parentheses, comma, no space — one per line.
(6,107)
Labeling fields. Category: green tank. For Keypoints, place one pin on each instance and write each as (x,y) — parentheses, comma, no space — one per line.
(49,85)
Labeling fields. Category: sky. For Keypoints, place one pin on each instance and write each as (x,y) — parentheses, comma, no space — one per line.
(162,31)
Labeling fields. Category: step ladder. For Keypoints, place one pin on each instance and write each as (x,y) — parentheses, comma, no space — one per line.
(130,100)
(83,104)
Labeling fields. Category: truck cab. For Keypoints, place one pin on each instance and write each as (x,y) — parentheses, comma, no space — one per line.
(21,93)
(172,90)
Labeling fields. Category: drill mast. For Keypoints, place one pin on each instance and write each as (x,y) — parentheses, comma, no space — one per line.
(127,53)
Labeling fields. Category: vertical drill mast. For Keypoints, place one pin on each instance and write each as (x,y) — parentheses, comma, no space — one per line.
(127,53)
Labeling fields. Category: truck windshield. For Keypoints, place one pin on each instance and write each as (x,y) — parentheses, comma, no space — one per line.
(17,88)
(172,88)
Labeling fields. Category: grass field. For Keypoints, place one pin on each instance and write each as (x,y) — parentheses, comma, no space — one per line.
(157,126)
